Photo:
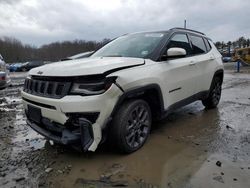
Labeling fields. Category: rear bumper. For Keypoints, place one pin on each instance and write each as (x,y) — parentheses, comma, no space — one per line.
(4,83)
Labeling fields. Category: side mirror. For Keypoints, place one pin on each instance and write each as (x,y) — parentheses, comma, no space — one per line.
(176,52)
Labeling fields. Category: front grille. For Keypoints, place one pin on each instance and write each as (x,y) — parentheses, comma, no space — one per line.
(46,88)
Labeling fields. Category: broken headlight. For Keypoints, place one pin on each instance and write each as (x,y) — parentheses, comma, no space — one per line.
(92,88)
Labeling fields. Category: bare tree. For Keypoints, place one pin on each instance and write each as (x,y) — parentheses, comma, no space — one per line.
(14,51)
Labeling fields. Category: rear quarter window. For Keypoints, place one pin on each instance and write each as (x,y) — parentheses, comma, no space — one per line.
(207,44)
(198,45)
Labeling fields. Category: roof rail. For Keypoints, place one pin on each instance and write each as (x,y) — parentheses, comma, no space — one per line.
(180,28)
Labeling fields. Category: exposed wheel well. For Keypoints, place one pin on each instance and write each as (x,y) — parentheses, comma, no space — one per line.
(220,74)
(151,94)
(152,97)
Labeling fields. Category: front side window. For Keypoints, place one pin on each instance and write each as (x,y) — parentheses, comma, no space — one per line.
(139,45)
(198,45)
(180,41)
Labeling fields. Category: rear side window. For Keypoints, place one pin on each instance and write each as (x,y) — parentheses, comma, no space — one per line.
(207,45)
(198,45)
(180,41)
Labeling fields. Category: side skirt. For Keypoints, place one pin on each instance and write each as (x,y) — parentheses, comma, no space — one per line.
(198,96)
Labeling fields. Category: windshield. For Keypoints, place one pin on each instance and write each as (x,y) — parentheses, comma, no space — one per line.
(139,45)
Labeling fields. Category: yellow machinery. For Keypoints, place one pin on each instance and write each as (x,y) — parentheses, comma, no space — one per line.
(242,54)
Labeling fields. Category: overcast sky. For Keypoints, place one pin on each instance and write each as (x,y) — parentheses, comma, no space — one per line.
(43,21)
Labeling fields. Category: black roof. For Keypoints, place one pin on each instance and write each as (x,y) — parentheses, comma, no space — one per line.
(172,29)
(184,29)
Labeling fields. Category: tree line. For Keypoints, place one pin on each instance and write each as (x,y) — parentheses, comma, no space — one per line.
(13,50)
(241,42)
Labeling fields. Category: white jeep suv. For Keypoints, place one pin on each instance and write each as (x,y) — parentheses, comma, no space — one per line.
(122,87)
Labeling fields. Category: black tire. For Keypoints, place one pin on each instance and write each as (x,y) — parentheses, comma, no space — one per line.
(214,96)
(131,125)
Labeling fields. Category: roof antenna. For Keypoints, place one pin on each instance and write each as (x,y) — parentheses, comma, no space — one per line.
(185,23)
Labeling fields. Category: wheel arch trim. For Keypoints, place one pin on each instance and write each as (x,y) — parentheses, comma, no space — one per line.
(217,72)
(139,91)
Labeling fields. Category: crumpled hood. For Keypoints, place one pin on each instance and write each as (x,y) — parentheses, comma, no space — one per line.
(87,66)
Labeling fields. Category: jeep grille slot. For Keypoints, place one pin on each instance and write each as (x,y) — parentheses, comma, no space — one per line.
(50,89)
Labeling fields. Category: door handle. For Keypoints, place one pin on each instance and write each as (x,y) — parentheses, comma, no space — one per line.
(212,58)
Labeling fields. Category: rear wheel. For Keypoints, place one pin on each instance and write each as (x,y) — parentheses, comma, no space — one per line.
(214,95)
(131,125)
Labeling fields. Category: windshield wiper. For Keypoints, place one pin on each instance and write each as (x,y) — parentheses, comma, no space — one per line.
(112,55)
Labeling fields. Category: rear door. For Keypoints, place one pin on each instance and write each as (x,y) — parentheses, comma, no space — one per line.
(201,49)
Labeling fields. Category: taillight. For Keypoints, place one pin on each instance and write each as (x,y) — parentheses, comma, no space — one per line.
(2,78)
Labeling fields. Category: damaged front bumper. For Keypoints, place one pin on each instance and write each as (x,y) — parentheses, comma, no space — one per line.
(66,112)
(81,136)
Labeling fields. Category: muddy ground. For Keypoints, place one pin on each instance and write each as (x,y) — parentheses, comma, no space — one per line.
(193,147)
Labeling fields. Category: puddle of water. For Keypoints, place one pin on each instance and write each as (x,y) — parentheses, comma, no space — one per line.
(8,104)
(181,152)
(230,174)
(12,100)
(178,150)
(24,134)
(30,138)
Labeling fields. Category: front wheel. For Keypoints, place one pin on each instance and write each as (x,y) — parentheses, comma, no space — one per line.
(214,96)
(131,125)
